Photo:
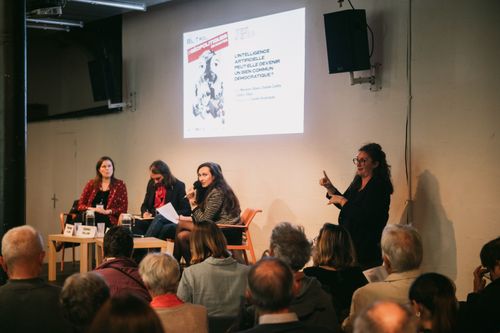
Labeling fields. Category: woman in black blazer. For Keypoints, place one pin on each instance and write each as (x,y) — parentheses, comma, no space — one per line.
(163,188)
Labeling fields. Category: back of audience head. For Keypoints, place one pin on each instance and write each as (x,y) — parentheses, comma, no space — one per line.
(334,247)
(433,298)
(22,252)
(126,313)
(401,248)
(160,273)
(490,257)
(289,243)
(82,296)
(207,240)
(385,317)
(270,285)
(118,242)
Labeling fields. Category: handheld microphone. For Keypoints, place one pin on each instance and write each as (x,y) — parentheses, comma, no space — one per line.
(196,187)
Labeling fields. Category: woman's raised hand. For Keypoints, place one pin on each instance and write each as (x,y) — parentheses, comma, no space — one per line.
(191,196)
(191,193)
(326,183)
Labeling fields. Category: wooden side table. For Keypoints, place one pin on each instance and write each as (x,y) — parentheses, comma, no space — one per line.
(84,252)
(139,243)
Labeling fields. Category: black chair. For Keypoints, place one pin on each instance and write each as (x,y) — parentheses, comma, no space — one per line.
(220,324)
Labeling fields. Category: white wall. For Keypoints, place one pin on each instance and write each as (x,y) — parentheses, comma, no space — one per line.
(453,133)
(456,123)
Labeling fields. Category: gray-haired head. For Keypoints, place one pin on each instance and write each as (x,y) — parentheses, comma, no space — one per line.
(270,284)
(290,244)
(82,296)
(402,246)
(385,317)
(22,246)
(160,273)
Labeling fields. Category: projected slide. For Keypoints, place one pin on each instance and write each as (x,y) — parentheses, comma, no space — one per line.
(245,78)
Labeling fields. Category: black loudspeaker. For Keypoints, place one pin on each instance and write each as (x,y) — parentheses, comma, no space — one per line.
(102,80)
(98,80)
(347,41)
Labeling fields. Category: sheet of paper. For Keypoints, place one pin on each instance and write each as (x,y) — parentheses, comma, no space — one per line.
(86,231)
(375,274)
(168,212)
(69,230)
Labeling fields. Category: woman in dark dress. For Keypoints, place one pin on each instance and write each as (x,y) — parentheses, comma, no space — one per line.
(335,267)
(364,206)
(104,194)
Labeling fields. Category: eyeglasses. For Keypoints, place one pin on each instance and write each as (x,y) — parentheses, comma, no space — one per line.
(360,160)
(266,253)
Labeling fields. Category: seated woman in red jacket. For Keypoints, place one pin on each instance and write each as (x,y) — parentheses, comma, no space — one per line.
(104,194)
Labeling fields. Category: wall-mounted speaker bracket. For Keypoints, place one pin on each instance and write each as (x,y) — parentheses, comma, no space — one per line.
(129,104)
(373,79)
(117,105)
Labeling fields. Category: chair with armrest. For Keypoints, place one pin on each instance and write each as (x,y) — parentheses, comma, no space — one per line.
(63,219)
(246,244)
(62,246)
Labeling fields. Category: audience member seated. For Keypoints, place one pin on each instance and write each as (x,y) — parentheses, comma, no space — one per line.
(271,290)
(82,296)
(27,303)
(160,273)
(483,304)
(311,303)
(3,276)
(126,313)
(118,269)
(215,279)
(402,255)
(385,317)
(433,299)
(163,188)
(336,268)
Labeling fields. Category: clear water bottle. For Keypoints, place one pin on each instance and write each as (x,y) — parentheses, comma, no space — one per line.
(127,221)
(90,218)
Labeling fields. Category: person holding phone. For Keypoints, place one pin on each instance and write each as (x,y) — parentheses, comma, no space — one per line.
(163,188)
(104,194)
(482,308)
(211,199)
(364,206)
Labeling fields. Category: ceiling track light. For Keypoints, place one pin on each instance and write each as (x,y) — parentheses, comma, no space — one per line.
(47,27)
(65,23)
(119,4)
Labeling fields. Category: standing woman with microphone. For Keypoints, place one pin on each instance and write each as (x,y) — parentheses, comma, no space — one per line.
(211,199)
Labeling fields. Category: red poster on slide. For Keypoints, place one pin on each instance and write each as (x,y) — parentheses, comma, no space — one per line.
(213,44)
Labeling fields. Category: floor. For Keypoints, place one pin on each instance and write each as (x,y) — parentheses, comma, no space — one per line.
(69,268)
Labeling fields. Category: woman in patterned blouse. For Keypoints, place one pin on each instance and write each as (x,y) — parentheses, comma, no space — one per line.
(104,194)
(211,199)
